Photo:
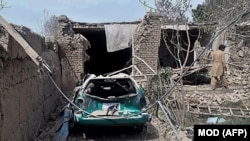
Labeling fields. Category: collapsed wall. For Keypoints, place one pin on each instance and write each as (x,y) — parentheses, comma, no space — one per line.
(73,47)
(239,66)
(72,52)
(27,97)
(237,58)
(147,42)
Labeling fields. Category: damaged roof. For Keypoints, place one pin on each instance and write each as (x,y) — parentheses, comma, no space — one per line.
(98,25)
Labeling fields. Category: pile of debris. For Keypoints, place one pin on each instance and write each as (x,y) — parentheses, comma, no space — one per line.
(203,95)
(47,132)
(239,77)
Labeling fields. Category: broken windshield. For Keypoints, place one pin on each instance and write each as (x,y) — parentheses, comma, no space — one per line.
(106,88)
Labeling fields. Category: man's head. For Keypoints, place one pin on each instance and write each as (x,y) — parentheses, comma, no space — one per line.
(222,47)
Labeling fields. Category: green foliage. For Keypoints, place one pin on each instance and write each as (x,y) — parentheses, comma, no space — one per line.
(157,84)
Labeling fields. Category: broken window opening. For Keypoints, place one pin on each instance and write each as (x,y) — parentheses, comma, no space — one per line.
(168,54)
(101,61)
(111,88)
(168,50)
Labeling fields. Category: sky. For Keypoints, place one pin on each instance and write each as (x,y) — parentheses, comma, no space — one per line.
(30,13)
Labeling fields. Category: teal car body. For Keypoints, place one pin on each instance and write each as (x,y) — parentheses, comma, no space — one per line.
(116,100)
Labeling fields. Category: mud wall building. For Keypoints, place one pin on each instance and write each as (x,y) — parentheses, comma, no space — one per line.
(83,46)
(148,51)
(146,44)
(27,97)
(72,52)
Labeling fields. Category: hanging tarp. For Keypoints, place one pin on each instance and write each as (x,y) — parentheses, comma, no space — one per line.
(119,36)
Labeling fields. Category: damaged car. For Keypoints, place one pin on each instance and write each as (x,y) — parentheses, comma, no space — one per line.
(116,100)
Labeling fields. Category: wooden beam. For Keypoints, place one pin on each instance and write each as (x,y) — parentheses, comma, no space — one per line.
(24,44)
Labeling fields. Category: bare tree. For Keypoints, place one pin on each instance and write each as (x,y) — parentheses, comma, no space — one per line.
(48,26)
(3,4)
(173,10)
(213,16)
(51,26)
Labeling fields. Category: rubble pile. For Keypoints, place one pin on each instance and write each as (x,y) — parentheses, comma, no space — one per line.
(239,89)
(47,131)
(239,77)
(209,97)
(238,64)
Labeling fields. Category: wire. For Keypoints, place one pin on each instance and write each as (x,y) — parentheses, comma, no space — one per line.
(245,13)
(52,80)
(73,104)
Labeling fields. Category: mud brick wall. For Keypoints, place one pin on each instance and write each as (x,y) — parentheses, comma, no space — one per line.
(26,97)
(72,49)
(147,42)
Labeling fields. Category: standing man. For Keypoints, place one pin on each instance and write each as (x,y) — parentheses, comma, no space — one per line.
(219,68)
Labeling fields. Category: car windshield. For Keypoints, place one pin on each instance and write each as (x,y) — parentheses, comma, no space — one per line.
(106,88)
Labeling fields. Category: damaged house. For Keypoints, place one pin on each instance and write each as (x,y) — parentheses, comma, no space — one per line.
(102,48)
